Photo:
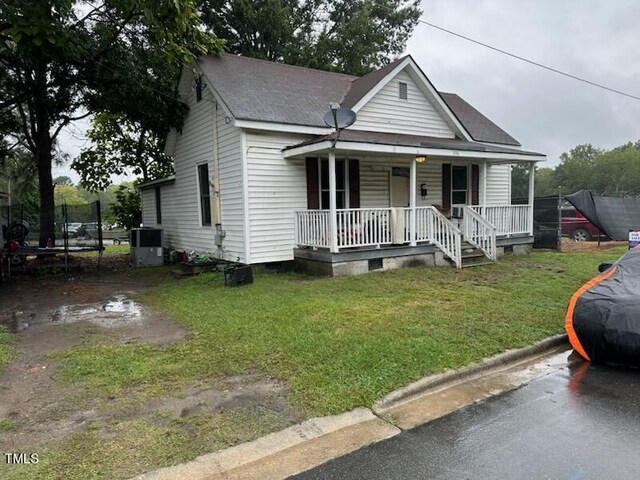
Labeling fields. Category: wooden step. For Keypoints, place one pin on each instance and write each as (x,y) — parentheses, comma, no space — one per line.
(472,253)
(475,261)
(472,256)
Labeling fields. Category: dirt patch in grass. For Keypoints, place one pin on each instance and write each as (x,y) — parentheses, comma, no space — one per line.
(84,431)
(571,246)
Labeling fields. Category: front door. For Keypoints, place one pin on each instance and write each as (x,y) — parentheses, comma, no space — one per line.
(399,187)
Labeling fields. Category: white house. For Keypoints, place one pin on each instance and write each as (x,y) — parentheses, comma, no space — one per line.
(421,177)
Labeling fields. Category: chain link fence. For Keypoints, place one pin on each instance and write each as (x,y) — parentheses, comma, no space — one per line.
(75,226)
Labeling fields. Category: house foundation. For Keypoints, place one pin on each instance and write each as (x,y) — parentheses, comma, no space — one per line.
(361,261)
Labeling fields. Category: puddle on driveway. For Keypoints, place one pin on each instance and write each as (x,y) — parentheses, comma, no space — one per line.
(116,312)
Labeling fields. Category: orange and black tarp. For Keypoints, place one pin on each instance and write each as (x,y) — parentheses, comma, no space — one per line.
(603,318)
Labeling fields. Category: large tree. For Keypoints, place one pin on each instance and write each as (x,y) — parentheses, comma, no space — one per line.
(575,169)
(544,183)
(352,36)
(127,136)
(57,58)
(121,145)
(349,36)
(614,172)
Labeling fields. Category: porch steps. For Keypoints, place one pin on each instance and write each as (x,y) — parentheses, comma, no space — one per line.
(473,257)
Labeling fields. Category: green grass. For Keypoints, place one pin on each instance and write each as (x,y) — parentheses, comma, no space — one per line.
(125,449)
(337,343)
(6,424)
(109,249)
(6,347)
(344,342)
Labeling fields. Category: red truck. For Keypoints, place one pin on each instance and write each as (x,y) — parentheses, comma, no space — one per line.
(577,227)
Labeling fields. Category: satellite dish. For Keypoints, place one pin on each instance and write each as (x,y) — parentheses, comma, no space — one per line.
(343,118)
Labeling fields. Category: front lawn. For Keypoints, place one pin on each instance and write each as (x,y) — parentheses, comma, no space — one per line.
(345,342)
(334,344)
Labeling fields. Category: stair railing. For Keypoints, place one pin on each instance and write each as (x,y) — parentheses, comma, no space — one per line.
(479,233)
(445,235)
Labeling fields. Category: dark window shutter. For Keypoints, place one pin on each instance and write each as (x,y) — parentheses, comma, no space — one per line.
(354,183)
(446,186)
(475,184)
(313,194)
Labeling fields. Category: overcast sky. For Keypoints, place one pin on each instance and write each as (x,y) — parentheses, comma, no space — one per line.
(597,40)
(594,39)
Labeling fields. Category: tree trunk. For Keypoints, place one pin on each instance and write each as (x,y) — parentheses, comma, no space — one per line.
(45,181)
(44,156)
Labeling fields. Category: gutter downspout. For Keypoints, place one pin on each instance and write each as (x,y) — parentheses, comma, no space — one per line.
(215,184)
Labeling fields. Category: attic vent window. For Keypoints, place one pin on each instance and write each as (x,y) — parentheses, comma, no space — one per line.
(402,90)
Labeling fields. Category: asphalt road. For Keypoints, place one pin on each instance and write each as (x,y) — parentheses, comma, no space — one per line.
(574,424)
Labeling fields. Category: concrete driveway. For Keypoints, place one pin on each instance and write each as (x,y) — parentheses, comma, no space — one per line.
(574,424)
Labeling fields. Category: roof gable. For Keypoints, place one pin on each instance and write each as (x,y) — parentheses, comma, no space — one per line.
(275,93)
(417,114)
(409,65)
(361,86)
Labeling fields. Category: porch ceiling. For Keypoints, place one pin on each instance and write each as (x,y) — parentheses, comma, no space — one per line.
(390,143)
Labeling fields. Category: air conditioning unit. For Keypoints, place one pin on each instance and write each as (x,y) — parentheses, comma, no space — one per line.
(146,247)
(457,212)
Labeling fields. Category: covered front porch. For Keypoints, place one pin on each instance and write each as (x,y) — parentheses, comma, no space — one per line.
(452,199)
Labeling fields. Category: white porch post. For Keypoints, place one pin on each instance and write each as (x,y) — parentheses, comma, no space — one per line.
(532,172)
(412,201)
(483,176)
(333,220)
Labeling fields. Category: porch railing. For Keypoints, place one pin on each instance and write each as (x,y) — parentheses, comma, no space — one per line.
(508,219)
(424,227)
(363,227)
(479,232)
(366,227)
(312,228)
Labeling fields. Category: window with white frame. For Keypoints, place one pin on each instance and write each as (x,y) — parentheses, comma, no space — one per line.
(341,183)
(459,184)
(204,194)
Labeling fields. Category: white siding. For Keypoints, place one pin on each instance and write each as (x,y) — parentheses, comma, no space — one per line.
(180,203)
(431,174)
(499,184)
(386,112)
(231,192)
(374,181)
(148,199)
(277,188)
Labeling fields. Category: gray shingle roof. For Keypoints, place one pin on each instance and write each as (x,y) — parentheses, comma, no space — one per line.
(274,92)
(479,127)
(265,91)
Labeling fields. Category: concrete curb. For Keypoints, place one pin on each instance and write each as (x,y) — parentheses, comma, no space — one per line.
(502,359)
(318,440)
(218,463)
